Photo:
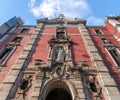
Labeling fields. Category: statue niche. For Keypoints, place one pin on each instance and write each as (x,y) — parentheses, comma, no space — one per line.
(58,53)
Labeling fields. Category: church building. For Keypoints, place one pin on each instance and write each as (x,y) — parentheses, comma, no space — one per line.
(60,59)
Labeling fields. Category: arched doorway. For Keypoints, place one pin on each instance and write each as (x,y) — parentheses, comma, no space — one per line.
(58,94)
(58,90)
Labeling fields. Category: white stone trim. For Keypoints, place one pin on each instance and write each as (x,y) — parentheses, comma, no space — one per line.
(111,57)
(118,28)
(99,30)
(113,22)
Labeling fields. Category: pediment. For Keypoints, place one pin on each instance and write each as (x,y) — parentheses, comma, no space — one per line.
(63,19)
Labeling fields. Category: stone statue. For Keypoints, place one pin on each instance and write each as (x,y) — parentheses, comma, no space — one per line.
(61,54)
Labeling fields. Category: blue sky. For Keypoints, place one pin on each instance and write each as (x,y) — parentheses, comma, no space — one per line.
(94,11)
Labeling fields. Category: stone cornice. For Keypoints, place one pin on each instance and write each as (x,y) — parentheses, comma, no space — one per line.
(57,22)
(62,19)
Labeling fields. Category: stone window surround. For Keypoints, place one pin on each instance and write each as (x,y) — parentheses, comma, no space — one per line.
(8,56)
(112,58)
(99,30)
(24,30)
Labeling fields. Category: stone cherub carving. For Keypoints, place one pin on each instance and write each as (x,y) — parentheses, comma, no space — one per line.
(61,71)
(94,88)
(24,86)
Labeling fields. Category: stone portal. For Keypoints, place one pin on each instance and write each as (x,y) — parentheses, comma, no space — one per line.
(58,94)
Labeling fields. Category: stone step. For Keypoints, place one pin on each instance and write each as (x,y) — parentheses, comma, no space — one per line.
(87,38)
(17,66)
(109,82)
(3,95)
(23,56)
(79,86)
(81,96)
(20,61)
(115,97)
(31,42)
(34,98)
(90,43)
(6,87)
(28,47)
(96,56)
(38,78)
(10,79)
(37,88)
(34,36)
(113,90)
(37,83)
(85,33)
(35,94)
(92,49)
(35,33)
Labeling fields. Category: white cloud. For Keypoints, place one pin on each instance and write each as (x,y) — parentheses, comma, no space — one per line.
(32,3)
(92,20)
(51,8)
(70,8)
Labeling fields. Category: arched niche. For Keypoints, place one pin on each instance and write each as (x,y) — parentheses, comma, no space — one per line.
(61,85)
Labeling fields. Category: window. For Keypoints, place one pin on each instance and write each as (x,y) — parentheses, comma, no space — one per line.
(113,51)
(104,41)
(98,31)
(5,53)
(17,39)
(24,30)
(15,42)
(116,56)
(8,50)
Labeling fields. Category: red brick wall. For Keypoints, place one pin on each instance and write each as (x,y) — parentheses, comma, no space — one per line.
(79,52)
(105,55)
(15,55)
(110,27)
(118,34)
(42,49)
(105,30)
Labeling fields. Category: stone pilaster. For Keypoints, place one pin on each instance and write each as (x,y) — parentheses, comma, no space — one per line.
(109,87)
(13,77)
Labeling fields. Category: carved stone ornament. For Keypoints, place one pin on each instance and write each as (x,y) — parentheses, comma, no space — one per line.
(94,88)
(24,86)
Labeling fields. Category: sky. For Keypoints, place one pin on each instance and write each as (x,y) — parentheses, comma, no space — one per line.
(94,11)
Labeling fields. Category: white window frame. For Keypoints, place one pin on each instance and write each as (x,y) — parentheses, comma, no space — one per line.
(99,30)
(112,58)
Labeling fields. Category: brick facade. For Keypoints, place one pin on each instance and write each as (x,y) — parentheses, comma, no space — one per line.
(61,54)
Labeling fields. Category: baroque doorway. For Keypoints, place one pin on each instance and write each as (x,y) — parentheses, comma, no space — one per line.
(58,90)
(58,94)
